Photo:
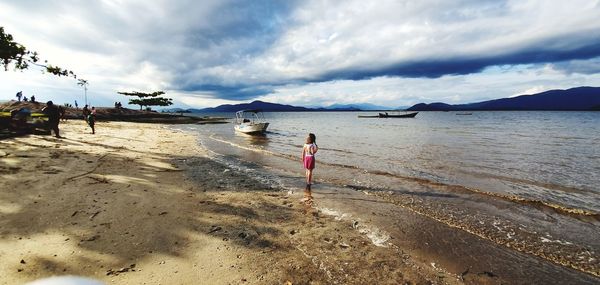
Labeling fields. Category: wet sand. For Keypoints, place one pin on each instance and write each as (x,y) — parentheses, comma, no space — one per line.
(459,252)
(143,204)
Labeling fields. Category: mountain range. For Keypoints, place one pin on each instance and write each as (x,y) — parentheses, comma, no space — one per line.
(358,107)
(264,106)
(574,99)
(274,107)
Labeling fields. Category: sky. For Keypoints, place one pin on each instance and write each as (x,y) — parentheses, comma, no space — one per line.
(304,53)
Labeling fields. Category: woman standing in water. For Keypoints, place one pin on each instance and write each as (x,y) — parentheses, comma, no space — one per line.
(308,157)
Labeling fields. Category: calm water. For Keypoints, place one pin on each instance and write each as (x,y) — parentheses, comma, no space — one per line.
(552,157)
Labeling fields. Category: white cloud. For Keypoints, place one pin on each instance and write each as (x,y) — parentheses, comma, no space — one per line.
(395,91)
(183,46)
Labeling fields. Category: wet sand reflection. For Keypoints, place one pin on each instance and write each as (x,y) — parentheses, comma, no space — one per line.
(308,201)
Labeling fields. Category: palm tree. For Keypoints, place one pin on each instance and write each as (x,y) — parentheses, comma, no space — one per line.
(84,83)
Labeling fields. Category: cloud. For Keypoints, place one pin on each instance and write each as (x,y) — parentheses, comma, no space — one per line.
(493,83)
(477,63)
(326,41)
(231,92)
(232,50)
(589,66)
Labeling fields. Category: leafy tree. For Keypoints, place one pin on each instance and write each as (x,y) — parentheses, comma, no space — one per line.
(14,53)
(148,99)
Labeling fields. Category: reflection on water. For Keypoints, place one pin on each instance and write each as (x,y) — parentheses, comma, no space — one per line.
(308,201)
(254,139)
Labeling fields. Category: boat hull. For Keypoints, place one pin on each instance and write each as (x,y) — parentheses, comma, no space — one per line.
(382,115)
(410,115)
(254,128)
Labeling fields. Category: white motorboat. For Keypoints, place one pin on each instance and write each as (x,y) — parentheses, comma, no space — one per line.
(250,122)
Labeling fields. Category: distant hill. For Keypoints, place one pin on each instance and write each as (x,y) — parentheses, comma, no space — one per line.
(264,106)
(357,107)
(574,99)
(269,107)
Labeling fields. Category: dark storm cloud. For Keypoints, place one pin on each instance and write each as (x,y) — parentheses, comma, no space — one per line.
(587,48)
(230,92)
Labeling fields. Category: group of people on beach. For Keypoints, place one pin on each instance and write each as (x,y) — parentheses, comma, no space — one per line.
(24,98)
(56,113)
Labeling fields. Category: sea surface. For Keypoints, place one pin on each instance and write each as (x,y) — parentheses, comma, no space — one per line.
(520,163)
(552,157)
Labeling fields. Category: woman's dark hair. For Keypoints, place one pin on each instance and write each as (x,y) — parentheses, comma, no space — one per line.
(313,138)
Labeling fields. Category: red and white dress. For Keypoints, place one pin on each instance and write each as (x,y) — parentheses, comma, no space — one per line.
(309,156)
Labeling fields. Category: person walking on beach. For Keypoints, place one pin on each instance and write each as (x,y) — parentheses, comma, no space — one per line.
(85,111)
(309,150)
(53,117)
(63,112)
(91,119)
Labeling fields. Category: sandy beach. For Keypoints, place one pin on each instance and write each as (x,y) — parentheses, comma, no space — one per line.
(300,142)
(143,204)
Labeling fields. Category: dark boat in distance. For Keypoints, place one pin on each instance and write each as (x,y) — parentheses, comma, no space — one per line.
(386,115)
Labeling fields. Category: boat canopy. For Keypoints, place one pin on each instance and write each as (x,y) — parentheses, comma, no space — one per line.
(249,116)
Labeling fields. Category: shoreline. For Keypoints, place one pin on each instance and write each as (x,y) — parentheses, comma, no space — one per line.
(566,243)
(135,203)
(553,246)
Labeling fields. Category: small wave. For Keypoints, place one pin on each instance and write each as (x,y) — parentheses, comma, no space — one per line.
(250,148)
(266,178)
(570,138)
(561,209)
(337,150)
(547,240)
(287,156)
(539,203)
(378,237)
(275,133)
(514,238)
(524,181)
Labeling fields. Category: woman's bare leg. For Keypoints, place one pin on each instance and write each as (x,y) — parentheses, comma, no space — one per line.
(309,176)
(306,173)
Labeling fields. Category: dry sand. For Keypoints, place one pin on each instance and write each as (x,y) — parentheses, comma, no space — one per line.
(143,204)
